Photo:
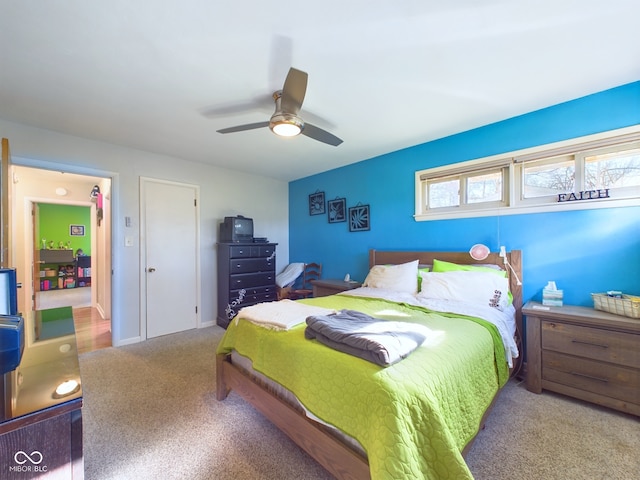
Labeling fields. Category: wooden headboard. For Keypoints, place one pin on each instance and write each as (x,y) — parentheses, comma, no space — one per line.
(514,257)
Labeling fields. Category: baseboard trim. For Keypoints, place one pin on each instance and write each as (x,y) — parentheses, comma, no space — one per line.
(127,341)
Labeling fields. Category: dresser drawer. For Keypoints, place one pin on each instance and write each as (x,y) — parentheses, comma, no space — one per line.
(595,343)
(259,298)
(246,280)
(244,251)
(267,251)
(247,251)
(255,294)
(246,298)
(245,265)
(592,376)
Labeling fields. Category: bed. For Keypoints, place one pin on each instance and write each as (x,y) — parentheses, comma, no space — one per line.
(412,419)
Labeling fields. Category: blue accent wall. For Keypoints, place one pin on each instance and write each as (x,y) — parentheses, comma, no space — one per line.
(582,251)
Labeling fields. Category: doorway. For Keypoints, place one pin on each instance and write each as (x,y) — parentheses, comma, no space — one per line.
(33,186)
(63,240)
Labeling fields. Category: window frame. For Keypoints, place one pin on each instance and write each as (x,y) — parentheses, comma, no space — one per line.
(622,191)
(463,194)
(513,164)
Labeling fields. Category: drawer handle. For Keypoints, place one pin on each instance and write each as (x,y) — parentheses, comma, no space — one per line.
(601,345)
(590,377)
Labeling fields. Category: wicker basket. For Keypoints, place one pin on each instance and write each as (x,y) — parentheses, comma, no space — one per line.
(627,305)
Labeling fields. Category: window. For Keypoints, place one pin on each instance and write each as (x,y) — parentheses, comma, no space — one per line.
(595,172)
(444,193)
(481,188)
(548,177)
(617,169)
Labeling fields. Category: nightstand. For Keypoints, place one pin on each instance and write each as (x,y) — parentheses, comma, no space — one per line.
(323,288)
(584,353)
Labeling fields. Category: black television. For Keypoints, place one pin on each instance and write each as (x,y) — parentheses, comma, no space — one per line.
(236,229)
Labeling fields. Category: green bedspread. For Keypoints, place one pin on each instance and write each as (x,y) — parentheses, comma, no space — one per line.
(413,418)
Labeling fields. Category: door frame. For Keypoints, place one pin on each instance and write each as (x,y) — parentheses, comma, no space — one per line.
(144,181)
(30,204)
(6,247)
(113,177)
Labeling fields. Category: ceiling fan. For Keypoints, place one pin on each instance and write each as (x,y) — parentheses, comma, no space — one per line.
(285,122)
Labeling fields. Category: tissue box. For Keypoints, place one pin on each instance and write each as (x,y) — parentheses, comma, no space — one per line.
(552,298)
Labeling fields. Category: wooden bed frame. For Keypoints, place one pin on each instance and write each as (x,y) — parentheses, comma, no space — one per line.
(332,453)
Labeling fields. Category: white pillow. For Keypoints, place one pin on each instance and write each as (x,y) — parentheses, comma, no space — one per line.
(399,278)
(483,288)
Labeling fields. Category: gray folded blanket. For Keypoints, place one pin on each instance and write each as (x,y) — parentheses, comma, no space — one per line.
(382,342)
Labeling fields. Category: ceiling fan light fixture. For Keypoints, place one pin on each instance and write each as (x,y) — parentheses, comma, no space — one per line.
(284,129)
(285,121)
(285,125)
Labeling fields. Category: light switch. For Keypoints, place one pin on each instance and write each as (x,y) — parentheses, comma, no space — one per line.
(128,241)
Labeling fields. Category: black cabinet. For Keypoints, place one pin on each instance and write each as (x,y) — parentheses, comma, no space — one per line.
(246,276)
(83,271)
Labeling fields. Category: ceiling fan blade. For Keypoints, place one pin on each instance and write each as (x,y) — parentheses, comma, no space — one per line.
(321,135)
(293,91)
(242,128)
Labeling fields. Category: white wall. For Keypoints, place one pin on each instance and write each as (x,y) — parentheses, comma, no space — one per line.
(222,192)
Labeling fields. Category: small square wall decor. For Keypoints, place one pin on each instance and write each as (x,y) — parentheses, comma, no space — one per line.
(316,203)
(76,230)
(359,219)
(337,210)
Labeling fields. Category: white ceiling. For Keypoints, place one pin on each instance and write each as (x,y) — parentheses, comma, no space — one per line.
(382,75)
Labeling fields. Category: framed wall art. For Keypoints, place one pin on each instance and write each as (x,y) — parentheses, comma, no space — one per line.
(337,210)
(316,203)
(76,230)
(359,218)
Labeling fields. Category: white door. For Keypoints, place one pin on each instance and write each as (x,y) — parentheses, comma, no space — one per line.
(170,242)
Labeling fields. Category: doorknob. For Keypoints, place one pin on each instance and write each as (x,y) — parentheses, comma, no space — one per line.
(151,269)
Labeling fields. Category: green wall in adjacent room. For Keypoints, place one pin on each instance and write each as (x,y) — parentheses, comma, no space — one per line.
(55,221)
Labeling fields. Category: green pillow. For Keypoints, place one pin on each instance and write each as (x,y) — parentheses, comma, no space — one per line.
(442,266)
(421,269)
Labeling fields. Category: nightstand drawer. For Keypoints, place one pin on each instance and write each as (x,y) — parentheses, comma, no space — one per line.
(598,344)
(591,376)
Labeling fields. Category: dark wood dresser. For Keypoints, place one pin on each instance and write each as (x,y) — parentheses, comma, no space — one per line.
(41,402)
(585,353)
(246,276)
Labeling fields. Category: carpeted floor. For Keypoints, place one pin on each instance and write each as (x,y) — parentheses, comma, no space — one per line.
(150,413)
